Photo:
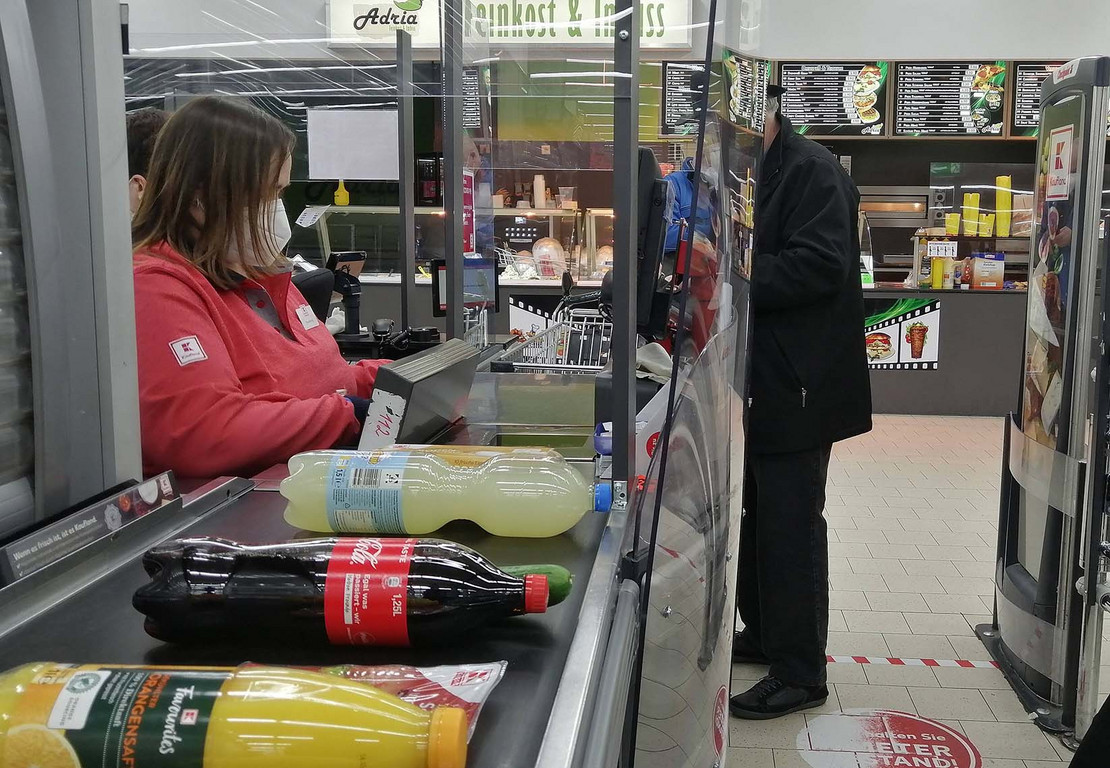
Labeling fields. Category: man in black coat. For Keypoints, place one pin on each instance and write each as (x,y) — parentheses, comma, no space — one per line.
(809,389)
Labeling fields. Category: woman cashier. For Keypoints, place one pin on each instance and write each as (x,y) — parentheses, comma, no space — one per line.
(236,374)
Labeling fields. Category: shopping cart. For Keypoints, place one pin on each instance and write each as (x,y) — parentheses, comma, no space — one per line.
(578,341)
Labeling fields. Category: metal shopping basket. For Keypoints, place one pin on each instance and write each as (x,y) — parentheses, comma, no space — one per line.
(578,341)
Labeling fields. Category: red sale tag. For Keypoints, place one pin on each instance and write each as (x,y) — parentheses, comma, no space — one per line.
(366,592)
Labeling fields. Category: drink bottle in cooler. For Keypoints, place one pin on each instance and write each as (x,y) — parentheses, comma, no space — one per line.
(67,716)
(527,492)
(368,591)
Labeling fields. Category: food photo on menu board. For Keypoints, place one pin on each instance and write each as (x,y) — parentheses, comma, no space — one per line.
(1055,210)
(835,98)
(950,98)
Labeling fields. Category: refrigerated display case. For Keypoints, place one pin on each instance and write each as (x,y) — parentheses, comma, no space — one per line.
(375,229)
(538,243)
(577,241)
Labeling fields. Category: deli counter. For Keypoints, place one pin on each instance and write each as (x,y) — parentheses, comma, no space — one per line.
(945,309)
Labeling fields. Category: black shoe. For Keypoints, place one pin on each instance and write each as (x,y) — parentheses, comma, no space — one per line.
(772,697)
(744,652)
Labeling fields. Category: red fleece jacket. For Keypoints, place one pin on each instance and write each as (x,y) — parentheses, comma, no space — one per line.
(221,390)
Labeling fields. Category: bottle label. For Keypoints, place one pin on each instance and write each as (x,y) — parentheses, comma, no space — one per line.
(366,591)
(116,717)
(364,492)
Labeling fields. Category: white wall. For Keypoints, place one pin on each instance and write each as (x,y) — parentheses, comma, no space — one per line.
(918,29)
(209,28)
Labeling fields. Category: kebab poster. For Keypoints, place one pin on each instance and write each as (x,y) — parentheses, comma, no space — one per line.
(903,334)
(1054,209)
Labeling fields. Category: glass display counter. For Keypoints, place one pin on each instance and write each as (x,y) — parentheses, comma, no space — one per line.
(534,246)
(536,243)
(376,229)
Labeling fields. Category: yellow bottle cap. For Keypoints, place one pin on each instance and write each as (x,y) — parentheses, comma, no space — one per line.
(447,738)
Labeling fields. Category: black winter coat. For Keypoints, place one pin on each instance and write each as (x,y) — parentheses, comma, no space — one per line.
(810,384)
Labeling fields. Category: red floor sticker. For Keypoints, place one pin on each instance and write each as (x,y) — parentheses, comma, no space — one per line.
(884,739)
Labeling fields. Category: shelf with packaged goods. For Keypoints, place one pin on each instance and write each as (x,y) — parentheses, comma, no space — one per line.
(1019,240)
(882,287)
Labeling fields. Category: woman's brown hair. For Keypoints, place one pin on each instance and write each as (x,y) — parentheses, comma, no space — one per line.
(222,157)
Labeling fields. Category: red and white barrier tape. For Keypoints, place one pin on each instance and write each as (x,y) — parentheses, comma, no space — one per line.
(894,662)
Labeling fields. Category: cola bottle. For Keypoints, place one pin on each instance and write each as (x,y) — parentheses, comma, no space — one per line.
(347,591)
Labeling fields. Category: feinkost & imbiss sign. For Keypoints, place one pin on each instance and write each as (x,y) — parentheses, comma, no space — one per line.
(571,23)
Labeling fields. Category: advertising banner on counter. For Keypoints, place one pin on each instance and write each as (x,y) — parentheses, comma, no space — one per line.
(569,23)
(52,542)
(902,334)
(663,23)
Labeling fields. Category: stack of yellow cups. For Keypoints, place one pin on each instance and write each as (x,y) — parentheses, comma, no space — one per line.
(1003,204)
(971,214)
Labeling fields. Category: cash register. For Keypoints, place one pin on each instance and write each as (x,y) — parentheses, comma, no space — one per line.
(383,341)
(417,398)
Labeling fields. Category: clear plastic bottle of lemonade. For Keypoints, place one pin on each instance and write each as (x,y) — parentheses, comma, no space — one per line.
(528,492)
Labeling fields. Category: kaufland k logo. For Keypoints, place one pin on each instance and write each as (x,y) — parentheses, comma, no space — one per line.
(402,14)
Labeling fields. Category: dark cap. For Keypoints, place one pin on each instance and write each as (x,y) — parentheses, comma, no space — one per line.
(775,91)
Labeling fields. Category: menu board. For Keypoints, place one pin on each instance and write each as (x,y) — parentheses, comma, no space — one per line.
(1028,78)
(472,97)
(950,98)
(681,97)
(746,89)
(835,99)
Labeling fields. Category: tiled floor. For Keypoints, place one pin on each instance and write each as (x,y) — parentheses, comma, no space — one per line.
(912,511)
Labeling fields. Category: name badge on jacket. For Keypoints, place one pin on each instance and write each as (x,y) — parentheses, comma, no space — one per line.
(307,317)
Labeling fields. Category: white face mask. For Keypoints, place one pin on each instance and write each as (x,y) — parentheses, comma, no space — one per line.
(279,224)
(276,223)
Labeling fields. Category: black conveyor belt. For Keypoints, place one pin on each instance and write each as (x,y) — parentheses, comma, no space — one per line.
(98,625)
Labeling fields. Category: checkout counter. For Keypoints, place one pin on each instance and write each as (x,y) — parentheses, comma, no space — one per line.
(79,609)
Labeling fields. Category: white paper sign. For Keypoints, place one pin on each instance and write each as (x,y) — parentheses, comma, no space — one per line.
(311,215)
(352,144)
(383,420)
(1058,185)
(938,249)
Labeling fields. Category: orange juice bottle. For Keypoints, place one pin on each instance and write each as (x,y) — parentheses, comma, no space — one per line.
(66,716)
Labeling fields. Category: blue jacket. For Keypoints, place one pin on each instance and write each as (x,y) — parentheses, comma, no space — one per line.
(682,188)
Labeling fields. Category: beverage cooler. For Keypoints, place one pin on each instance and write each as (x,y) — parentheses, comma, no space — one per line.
(68,404)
